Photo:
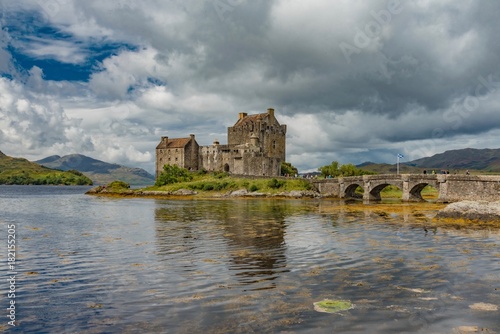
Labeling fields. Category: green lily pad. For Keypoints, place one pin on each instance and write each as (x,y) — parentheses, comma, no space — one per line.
(333,306)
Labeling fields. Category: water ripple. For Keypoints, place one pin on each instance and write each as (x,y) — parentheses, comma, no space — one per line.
(93,265)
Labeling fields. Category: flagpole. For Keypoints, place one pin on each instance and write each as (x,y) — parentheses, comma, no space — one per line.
(399,157)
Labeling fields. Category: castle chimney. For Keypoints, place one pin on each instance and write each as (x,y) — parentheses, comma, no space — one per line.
(164,139)
(192,136)
(242,115)
(216,142)
(270,111)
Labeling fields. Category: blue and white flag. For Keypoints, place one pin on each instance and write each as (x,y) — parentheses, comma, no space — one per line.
(400,156)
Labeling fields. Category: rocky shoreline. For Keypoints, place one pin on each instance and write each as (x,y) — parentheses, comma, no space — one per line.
(100,190)
(480,211)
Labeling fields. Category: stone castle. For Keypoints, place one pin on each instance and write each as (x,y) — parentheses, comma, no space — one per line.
(256,146)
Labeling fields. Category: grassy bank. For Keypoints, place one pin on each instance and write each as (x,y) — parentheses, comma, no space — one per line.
(221,182)
(211,184)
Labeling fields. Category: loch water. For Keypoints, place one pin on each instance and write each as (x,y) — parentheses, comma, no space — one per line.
(89,264)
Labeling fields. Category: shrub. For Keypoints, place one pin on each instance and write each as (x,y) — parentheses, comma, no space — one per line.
(195,186)
(253,188)
(220,175)
(275,184)
(173,174)
(222,185)
(308,185)
(118,184)
(208,186)
(202,172)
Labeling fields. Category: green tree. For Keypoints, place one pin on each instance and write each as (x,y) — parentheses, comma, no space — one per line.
(350,170)
(173,174)
(330,170)
(334,170)
(288,169)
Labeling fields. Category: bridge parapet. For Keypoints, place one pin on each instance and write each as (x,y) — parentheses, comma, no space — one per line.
(472,187)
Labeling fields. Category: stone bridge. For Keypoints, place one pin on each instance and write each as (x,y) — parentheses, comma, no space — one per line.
(451,188)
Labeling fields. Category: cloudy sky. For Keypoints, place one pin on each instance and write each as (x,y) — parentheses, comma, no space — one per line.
(354,80)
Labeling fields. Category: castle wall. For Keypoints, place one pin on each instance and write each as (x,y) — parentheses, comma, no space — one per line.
(169,156)
(191,155)
(213,157)
(273,141)
(182,152)
(256,146)
(238,161)
(262,128)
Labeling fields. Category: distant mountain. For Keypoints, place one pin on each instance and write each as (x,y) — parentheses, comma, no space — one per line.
(469,158)
(48,159)
(484,160)
(404,168)
(22,171)
(366,163)
(98,171)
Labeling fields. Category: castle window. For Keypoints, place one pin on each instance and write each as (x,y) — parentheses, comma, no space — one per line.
(176,150)
(176,159)
(274,144)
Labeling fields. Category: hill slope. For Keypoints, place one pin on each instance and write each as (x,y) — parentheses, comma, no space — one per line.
(99,171)
(22,171)
(483,160)
(487,160)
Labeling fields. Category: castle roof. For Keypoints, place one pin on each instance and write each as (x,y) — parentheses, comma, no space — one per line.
(173,143)
(250,119)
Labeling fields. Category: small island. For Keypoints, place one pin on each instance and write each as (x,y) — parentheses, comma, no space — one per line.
(176,181)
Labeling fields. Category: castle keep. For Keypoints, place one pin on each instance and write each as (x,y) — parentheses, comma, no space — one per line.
(256,146)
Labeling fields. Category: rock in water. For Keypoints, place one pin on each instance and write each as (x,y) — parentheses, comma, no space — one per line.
(472,210)
(184,192)
(484,307)
(332,306)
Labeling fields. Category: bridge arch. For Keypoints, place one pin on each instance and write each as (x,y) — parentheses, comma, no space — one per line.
(415,189)
(350,191)
(374,193)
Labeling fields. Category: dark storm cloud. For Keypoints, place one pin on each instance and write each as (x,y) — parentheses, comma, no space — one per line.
(354,80)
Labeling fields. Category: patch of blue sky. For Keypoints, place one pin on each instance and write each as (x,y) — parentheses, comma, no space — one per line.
(60,55)
(156,82)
